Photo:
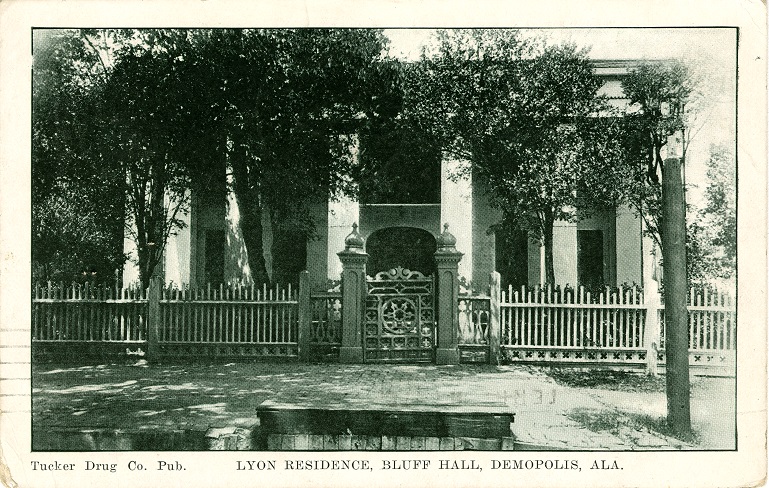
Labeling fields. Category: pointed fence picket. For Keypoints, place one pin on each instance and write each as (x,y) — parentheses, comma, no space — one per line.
(229,315)
(712,321)
(548,317)
(88,313)
(527,324)
(566,326)
(213,320)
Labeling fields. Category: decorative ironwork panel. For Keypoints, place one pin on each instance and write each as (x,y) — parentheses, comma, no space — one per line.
(228,350)
(326,321)
(474,316)
(627,357)
(399,323)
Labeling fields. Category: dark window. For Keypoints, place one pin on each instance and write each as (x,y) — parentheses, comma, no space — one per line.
(590,258)
(214,257)
(512,256)
(289,255)
(399,166)
(408,247)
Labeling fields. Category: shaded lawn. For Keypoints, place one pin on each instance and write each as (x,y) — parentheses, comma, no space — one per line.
(121,396)
(636,402)
(206,395)
(612,380)
(620,423)
(201,396)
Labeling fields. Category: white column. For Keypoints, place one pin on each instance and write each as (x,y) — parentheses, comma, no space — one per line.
(177,253)
(629,246)
(457,211)
(236,267)
(565,253)
(130,267)
(342,213)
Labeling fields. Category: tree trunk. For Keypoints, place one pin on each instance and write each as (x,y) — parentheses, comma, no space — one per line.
(289,251)
(148,244)
(149,258)
(676,326)
(548,241)
(144,277)
(250,208)
(548,238)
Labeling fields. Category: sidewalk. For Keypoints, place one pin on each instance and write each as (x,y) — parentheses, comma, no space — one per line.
(223,398)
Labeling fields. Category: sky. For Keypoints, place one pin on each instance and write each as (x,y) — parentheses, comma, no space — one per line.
(709,52)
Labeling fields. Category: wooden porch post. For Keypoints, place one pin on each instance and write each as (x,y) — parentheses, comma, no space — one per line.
(354,261)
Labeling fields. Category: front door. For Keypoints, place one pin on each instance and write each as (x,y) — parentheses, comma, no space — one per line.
(400,317)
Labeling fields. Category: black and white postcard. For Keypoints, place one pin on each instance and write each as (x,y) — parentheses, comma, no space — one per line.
(383,243)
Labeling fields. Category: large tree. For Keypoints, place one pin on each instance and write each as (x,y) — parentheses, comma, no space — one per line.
(76,213)
(147,131)
(116,139)
(524,114)
(399,161)
(170,109)
(282,105)
(720,211)
(658,95)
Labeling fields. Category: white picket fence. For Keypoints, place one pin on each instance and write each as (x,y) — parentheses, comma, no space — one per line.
(613,327)
(241,321)
(75,312)
(229,315)
(571,326)
(572,319)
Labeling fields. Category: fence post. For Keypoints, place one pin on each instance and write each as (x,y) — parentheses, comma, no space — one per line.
(304,316)
(651,326)
(495,296)
(354,260)
(447,261)
(153,318)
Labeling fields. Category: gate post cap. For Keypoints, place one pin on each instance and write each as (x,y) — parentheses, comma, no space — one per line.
(446,241)
(354,241)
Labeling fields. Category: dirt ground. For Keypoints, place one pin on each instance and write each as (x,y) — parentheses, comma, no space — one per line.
(204,396)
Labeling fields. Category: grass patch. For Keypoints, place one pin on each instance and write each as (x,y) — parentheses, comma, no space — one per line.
(608,380)
(619,423)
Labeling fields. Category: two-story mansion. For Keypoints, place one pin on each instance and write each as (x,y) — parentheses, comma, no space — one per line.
(400,230)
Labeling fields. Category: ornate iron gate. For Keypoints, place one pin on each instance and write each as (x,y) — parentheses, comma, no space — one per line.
(400,317)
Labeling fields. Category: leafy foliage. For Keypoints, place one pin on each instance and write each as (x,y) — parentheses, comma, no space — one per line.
(144,132)
(524,115)
(76,214)
(712,235)
(658,94)
(662,94)
(164,111)
(282,104)
(721,208)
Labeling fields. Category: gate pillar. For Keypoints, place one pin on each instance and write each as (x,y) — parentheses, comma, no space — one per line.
(354,260)
(447,261)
